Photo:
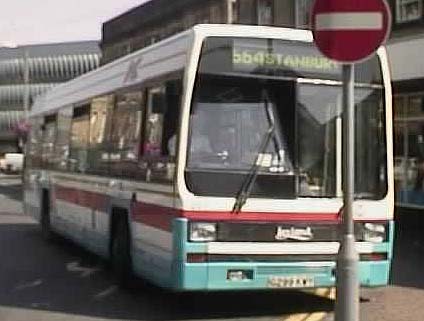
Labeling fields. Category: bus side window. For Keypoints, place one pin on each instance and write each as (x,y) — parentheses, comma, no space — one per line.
(160,141)
(100,128)
(156,106)
(35,144)
(64,120)
(80,135)
(125,136)
(49,141)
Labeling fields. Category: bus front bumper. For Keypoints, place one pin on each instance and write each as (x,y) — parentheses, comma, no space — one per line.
(261,276)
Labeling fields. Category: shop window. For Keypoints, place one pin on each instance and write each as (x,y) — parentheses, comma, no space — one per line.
(265,12)
(303,8)
(80,138)
(125,137)
(408,10)
(409,150)
(415,108)
(100,127)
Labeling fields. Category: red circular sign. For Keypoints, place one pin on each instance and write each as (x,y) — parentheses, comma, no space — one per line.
(349,31)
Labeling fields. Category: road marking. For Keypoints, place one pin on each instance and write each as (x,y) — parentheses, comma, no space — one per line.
(317,316)
(298,317)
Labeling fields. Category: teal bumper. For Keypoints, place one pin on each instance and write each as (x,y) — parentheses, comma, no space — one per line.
(214,276)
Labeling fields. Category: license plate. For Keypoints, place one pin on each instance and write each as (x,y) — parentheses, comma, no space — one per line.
(290,282)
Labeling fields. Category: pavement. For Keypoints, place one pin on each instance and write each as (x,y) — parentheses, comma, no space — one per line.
(59,281)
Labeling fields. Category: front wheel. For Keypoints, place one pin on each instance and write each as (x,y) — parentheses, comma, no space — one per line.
(121,253)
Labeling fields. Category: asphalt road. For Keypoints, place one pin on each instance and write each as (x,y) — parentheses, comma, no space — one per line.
(60,281)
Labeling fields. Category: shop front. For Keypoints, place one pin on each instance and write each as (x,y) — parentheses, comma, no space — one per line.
(408,83)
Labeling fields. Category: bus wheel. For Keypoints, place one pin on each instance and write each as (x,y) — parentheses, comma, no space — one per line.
(120,252)
(46,230)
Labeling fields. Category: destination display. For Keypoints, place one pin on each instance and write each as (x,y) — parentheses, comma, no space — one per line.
(277,58)
(296,58)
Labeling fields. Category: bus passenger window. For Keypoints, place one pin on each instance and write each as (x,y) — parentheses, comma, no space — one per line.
(64,120)
(100,124)
(156,106)
(80,137)
(125,137)
(35,144)
(160,141)
(49,140)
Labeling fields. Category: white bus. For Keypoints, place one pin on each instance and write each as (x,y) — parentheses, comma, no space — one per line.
(213,161)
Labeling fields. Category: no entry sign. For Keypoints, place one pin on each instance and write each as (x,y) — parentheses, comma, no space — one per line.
(349,31)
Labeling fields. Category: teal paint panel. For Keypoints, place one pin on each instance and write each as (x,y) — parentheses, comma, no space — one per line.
(374,274)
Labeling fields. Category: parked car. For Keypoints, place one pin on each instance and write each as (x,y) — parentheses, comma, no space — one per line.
(12,163)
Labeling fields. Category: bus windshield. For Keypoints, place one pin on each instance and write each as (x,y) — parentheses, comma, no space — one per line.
(238,79)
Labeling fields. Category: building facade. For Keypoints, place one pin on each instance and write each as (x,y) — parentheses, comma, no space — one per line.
(158,19)
(28,71)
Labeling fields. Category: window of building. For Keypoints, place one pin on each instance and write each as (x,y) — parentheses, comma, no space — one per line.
(80,139)
(215,14)
(100,127)
(408,10)
(235,11)
(125,137)
(265,12)
(303,12)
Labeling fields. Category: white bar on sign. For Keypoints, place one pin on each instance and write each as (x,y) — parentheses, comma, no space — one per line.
(349,21)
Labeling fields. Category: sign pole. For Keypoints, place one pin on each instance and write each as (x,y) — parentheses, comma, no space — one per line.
(349,31)
(347,301)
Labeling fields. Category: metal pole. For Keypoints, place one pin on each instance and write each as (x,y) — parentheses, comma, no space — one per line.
(26,84)
(347,300)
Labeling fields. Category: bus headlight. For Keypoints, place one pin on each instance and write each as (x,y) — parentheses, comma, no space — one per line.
(202,232)
(374,233)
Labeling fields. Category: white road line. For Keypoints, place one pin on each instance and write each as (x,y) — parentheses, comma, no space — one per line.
(349,21)
(317,316)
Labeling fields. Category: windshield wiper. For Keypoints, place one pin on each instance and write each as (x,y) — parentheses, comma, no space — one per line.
(246,188)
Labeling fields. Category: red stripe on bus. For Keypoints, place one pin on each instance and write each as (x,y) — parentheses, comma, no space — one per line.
(154,215)
(260,216)
(161,217)
(97,201)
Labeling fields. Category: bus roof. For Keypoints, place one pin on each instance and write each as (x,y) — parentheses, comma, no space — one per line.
(168,55)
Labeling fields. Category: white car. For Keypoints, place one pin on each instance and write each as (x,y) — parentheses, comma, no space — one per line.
(12,163)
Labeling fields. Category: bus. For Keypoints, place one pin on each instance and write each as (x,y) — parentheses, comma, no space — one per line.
(212,160)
